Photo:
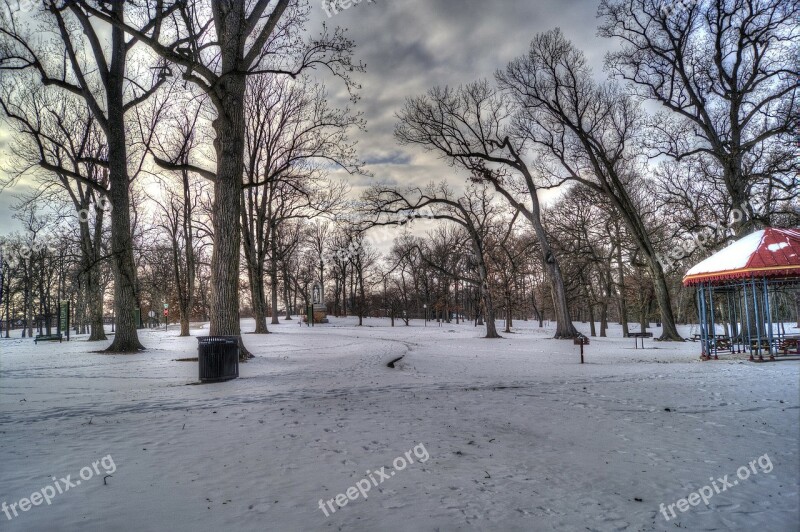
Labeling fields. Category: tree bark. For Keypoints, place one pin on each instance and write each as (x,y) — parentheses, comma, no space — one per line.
(92,251)
(508,314)
(229,142)
(126,338)
(273,274)
(564,327)
(486,293)
(258,297)
(287,296)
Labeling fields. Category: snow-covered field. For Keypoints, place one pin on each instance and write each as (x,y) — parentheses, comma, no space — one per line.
(511,434)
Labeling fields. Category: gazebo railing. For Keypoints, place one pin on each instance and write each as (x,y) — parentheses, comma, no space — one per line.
(746,308)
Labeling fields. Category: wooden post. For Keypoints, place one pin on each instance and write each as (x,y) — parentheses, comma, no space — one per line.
(581,341)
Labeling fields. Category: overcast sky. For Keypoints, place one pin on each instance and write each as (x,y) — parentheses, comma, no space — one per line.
(412,45)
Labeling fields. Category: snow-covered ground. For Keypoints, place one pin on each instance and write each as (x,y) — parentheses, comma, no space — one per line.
(511,434)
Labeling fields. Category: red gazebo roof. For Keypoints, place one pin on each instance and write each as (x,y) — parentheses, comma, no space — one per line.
(770,252)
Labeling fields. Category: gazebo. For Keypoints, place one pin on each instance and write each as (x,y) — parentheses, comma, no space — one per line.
(749,291)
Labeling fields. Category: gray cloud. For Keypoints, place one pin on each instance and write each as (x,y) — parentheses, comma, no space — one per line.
(412,45)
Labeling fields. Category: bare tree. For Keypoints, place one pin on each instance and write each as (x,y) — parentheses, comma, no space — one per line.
(473,211)
(469,127)
(588,134)
(178,207)
(725,72)
(217,45)
(292,137)
(59,138)
(110,86)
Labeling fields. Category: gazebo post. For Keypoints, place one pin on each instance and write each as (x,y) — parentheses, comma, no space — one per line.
(704,323)
(713,324)
(699,316)
(768,309)
(734,321)
(740,332)
(747,318)
(757,318)
(727,323)
(701,321)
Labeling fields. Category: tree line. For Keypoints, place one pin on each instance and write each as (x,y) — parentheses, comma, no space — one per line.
(182,152)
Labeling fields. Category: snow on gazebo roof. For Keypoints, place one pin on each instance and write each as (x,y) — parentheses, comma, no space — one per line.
(767,253)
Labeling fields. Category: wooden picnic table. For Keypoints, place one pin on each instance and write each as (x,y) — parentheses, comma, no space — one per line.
(698,337)
(784,343)
(638,335)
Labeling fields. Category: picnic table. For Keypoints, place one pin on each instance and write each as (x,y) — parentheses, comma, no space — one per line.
(699,337)
(716,341)
(787,342)
(638,335)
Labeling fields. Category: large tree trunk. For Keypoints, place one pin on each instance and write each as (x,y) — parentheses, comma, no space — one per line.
(259,298)
(508,314)
(187,299)
(273,289)
(564,327)
(92,251)
(95,290)
(636,228)
(184,303)
(229,130)
(669,331)
(486,295)
(609,290)
(225,258)
(253,253)
(126,338)
(287,296)
(491,327)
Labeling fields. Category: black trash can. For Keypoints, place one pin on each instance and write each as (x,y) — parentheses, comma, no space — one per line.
(219,358)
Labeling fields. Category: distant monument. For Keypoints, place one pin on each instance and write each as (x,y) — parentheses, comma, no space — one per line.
(319,307)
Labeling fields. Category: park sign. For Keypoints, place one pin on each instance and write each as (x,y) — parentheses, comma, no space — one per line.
(63,318)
